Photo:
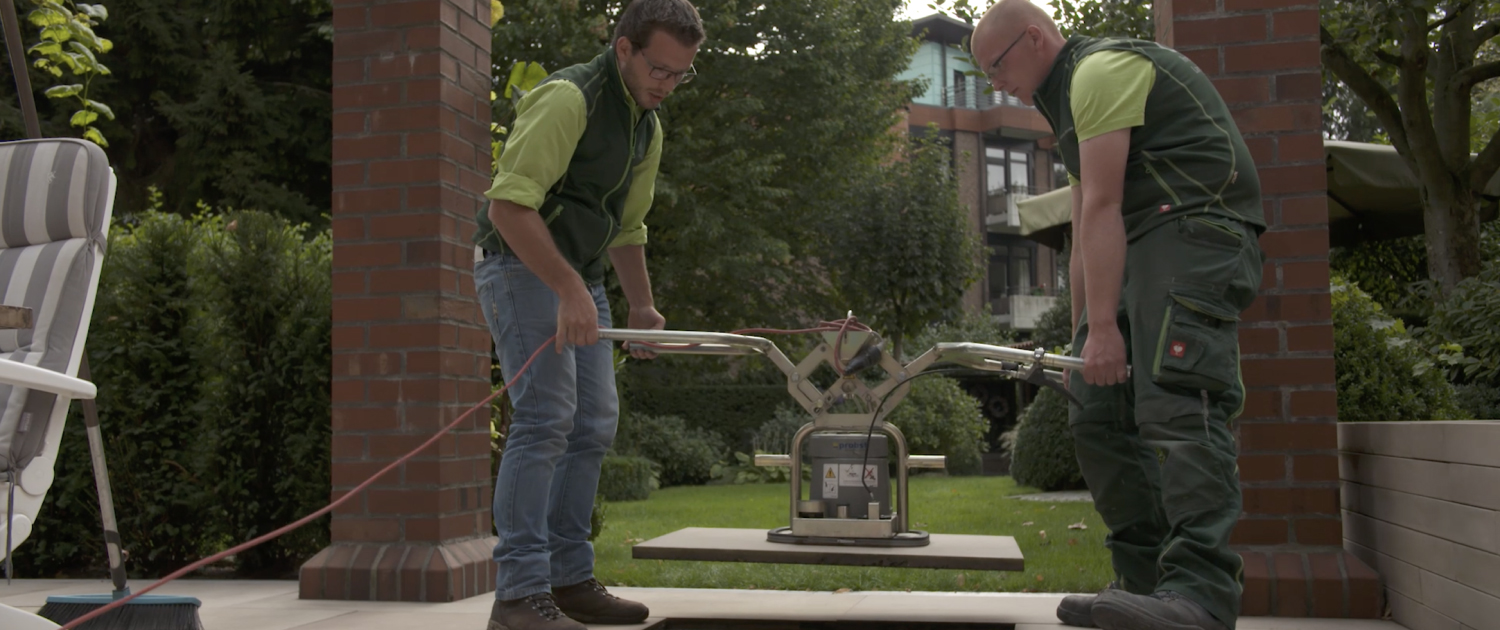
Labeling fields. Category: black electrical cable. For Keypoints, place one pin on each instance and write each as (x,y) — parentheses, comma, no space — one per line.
(870,494)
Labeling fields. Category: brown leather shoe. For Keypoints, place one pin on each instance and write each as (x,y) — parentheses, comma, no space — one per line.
(533,612)
(588,602)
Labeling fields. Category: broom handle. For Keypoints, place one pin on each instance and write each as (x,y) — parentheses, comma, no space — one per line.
(101,479)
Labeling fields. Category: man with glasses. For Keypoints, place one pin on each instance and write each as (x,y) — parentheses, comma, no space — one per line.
(575,180)
(1166,217)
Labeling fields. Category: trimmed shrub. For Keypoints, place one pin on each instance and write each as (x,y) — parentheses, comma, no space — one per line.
(732,411)
(685,455)
(1383,374)
(627,479)
(1044,455)
(938,417)
(210,345)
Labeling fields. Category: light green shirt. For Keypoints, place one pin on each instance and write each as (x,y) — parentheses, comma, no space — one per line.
(1109,92)
(549,121)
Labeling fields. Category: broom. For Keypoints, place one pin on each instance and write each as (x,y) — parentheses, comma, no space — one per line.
(145,612)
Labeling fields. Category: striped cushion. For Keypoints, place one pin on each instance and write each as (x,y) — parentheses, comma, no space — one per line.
(54,197)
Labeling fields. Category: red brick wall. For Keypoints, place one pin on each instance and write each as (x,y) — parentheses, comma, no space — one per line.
(1263,57)
(411,353)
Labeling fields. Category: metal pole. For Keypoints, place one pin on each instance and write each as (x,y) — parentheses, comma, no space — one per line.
(18,67)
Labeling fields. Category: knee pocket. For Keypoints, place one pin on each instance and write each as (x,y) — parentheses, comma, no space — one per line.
(1198,346)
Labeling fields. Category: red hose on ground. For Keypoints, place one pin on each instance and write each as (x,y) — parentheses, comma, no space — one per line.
(839,326)
(306,519)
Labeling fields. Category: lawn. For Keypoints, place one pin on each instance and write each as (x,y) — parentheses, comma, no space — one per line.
(1058,559)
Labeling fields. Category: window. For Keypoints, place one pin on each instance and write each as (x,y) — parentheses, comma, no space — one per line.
(1007,168)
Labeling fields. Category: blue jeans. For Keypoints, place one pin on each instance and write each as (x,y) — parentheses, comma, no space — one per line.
(566,411)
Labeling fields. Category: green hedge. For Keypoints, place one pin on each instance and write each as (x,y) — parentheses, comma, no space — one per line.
(732,411)
(210,347)
(627,478)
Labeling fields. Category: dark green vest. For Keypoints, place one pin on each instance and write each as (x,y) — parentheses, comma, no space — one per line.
(1188,157)
(583,209)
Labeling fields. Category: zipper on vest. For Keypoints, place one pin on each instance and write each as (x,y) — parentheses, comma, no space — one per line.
(604,201)
(1159,180)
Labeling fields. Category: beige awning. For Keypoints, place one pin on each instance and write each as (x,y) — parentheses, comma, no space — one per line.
(1372,195)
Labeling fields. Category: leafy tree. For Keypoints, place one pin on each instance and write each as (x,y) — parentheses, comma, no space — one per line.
(225,102)
(1415,66)
(790,97)
(68,44)
(905,251)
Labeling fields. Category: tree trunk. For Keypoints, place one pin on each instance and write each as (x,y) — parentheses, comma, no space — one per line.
(1451,222)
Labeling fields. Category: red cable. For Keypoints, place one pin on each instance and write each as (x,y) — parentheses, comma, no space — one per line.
(826,326)
(306,519)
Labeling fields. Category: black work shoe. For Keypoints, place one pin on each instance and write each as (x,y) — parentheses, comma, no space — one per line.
(1077,610)
(533,612)
(588,602)
(1163,610)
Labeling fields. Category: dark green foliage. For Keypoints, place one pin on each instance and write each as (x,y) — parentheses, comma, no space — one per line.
(971,327)
(228,102)
(939,418)
(1044,455)
(269,294)
(145,347)
(1470,317)
(209,345)
(627,478)
(1383,374)
(1054,329)
(1479,402)
(732,411)
(685,455)
(906,251)
(791,97)
(775,436)
(1386,271)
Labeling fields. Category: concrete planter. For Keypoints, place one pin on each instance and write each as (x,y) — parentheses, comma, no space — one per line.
(1421,504)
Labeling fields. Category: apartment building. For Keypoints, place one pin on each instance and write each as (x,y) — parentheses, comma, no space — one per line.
(1003,153)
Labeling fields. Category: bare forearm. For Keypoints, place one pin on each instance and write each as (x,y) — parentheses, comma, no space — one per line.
(526,234)
(1075,284)
(630,266)
(1103,237)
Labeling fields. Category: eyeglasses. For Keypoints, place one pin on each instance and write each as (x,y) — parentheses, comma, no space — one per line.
(662,74)
(995,65)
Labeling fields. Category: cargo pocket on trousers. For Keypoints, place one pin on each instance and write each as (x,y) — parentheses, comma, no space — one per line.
(1198,346)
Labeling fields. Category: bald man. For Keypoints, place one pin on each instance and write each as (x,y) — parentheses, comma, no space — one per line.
(1166,220)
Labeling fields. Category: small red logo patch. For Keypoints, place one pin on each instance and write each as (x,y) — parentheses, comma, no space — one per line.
(1164,208)
(1178,349)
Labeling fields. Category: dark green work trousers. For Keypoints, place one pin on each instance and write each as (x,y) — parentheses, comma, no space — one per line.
(1157,452)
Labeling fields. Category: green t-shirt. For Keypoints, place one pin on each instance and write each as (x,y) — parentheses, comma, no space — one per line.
(1109,93)
(549,122)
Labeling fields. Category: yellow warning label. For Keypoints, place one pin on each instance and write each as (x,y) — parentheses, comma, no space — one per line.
(830,474)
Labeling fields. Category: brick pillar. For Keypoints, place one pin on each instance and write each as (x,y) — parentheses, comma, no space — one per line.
(1263,57)
(410,162)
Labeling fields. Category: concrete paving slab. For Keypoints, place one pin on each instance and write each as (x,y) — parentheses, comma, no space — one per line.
(724,544)
(273,605)
(1063,496)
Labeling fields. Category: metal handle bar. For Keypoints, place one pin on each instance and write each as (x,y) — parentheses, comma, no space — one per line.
(999,358)
(691,342)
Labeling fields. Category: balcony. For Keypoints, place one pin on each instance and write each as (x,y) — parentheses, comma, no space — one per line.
(970,94)
(1000,211)
(1019,311)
